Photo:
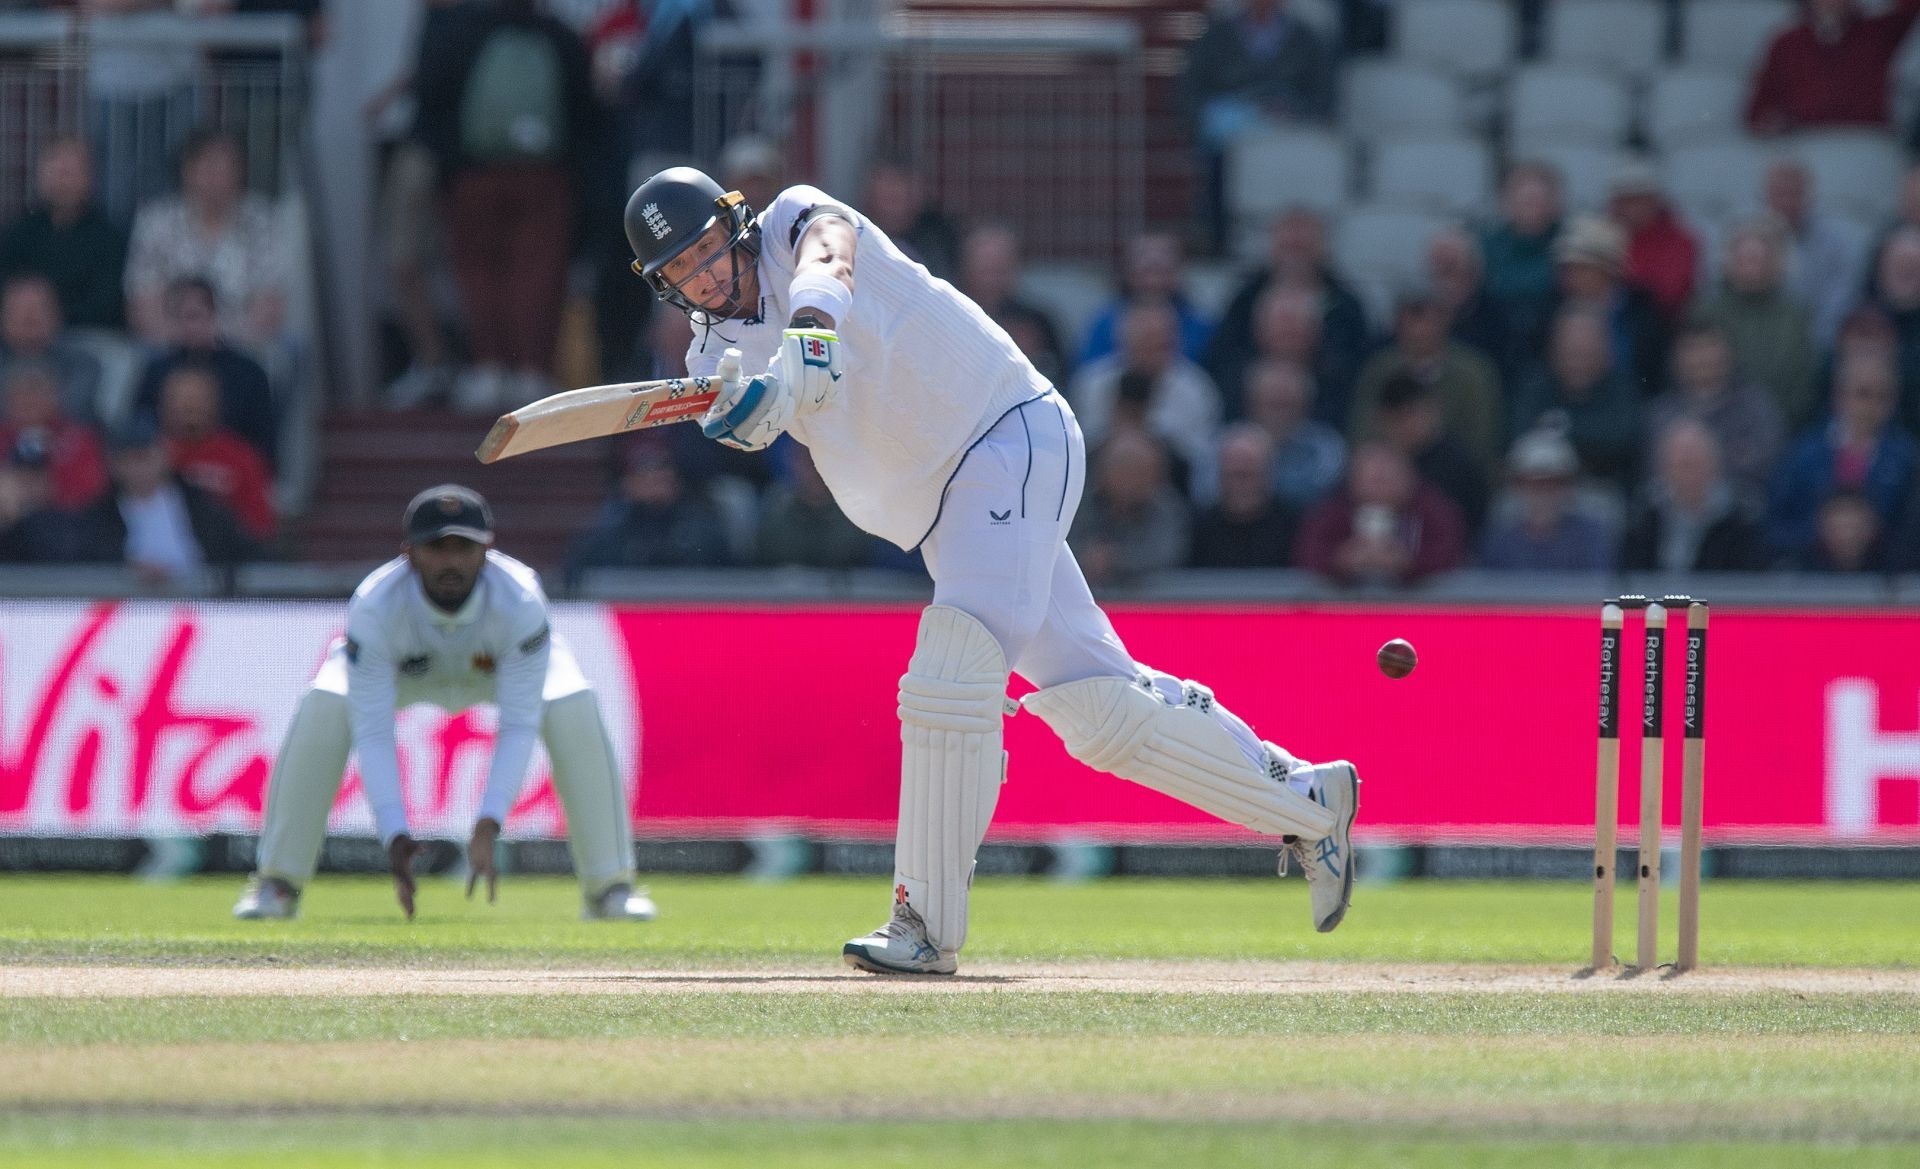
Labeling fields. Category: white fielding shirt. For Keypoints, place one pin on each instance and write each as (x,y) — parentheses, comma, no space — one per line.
(400,649)
(927,373)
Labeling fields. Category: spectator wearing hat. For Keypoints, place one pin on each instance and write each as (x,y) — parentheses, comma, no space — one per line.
(990,276)
(653,521)
(1133,521)
(67,238)
(31,422)
(1384,527)
(1154,269)
(1771,333)
(1309,456)
(1861,450)
(33,528)
(1412,419)
(751,165)
(1689,519)
(1518,248)
(164,528)
(211,457)
(1583,387)
(1590,273)
(1825,256)
(1465,384)
(1298,273)
(1830,69)
(1707,388)
(194,338)
(32,331)
(1248,526)
(801,524)
(1662,255)
(1539,525)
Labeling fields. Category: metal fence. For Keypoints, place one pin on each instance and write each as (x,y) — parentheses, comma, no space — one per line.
(1035,121)
(137,86)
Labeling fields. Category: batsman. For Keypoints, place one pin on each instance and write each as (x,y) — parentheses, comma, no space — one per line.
(935,432)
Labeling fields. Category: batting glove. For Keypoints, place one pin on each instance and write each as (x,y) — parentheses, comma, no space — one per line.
(808,361)
(749,416)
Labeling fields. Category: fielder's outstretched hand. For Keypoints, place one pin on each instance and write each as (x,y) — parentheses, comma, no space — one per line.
(400,856)
(486,831)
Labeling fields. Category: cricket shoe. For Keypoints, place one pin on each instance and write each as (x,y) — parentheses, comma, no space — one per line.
(619,903)
(899,947)
(267,898)
(1327,863)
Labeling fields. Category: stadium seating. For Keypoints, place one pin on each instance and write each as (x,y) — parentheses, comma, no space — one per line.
(1623,36)
(1471,38)
(1857,173)
(1713,180)
(1730,34)
(1453,174)
(1383,250)
(1278,167)
(1556,103)
(1690,105)
(1382,99)
(1585,170)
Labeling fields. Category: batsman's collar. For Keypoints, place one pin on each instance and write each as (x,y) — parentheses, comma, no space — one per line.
(449,510)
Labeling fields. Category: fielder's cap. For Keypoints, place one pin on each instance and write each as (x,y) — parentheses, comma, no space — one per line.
(1543,453)
(449,510)
(1592,240)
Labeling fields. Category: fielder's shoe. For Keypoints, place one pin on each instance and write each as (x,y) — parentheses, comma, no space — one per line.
(267,898)
(899,947)
(620,903)
(1327,864)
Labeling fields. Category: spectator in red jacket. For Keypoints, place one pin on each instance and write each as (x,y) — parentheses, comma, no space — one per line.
(211,457)
(1662,255)
(30,420)
(1830,69)
(1386,527)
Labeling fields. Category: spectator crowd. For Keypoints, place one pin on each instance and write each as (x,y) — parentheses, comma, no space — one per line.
(1557,391)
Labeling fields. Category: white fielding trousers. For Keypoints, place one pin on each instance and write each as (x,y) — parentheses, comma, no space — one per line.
(313,760)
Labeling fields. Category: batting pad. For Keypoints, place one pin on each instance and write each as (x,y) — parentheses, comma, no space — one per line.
(1125,727)
(586,777)
(306,779)
(952,701)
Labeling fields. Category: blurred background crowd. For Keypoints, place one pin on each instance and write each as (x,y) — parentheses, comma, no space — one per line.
(1413,286)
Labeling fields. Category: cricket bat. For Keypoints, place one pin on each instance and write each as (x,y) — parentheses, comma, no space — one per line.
(596,412)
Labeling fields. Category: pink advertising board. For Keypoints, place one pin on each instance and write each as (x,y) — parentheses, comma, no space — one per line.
(158,718)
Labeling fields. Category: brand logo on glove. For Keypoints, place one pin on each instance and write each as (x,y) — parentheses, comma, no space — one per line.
(656,222)
(814,350)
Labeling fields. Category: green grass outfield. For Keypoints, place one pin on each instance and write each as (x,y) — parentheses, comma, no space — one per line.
(765,1051)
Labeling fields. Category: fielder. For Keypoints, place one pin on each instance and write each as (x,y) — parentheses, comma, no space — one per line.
(453,623)
(934,431)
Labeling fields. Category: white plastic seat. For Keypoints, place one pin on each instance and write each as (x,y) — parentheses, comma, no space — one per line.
(1586,170)
(1731,34)
(1473,39)
(1690,105)
(1381,99)
(1856,173)
(1382,250)
(1623,36)
(1716,179)
(1453,175)
(1276,168)
(1566,104)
